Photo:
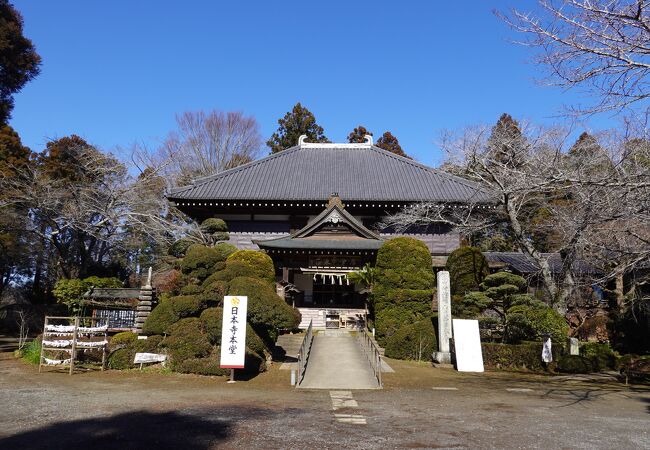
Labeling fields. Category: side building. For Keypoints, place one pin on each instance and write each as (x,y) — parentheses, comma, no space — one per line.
(317,210)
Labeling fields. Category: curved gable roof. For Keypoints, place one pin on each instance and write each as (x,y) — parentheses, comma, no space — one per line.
(313,172)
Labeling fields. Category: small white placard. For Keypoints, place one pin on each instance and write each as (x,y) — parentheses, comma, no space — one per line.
(233,332)
(149,358)
(142,338)
(467,343)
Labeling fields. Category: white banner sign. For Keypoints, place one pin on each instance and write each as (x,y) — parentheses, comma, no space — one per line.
(149,358)
(233,332)
(467,343)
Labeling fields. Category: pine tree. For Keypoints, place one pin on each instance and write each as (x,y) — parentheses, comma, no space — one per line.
(358,135)
(295,123)
(506,141)
(390,143)
(19,61)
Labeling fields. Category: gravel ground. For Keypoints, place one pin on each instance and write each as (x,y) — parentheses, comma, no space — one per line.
(420,407)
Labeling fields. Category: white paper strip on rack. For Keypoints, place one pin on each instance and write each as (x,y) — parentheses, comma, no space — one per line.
(233,332)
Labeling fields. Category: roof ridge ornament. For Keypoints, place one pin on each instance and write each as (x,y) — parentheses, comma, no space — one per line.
(301,139)
(368,138)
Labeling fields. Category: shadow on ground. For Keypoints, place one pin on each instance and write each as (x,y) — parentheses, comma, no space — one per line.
(136,430)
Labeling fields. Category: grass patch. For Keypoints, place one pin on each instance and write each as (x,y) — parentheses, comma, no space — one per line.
(31,352)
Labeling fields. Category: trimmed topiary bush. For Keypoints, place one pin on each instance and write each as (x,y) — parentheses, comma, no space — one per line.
(530,320)
(601,355)
(389,320)
(121,340)
(403,285)
(575,364)
(467,268)
(179,248)
(246,263)
(161,318)
(186,340)
(413,341)
(121,359)
(211,320)
(525,356)
(267,313)
(201,261)
(191,289)
(213,225)
(187,305)
(213,293)
(203,366)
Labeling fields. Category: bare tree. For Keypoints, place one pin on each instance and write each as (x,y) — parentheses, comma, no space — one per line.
(207,143)
(602,46)
(589,202)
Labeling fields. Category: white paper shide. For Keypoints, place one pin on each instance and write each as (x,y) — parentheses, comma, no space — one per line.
(233,332)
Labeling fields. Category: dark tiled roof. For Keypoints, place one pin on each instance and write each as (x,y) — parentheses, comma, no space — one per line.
(334,212)
(314,172)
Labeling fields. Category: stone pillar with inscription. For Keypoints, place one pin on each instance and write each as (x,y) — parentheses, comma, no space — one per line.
(443,355)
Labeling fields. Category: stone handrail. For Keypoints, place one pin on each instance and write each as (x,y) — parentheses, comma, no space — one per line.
(303,354)
(371,351)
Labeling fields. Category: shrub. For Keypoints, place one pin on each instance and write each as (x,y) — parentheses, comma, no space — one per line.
(389,320)
(179,248)
(467,268)
(161,318)
(203,366)
(526,356)
(601,355)
(186,305)
(191,289)
(413,341)
(267,312)
(404,263)
(201,261)
(532,319)
(257,264)
(575,364)
(213,293)
(123,339)
(213,225)
(186,340)
(121,359)
(211,320)
(31,352)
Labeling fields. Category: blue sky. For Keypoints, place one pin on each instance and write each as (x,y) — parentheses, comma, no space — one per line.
(118,72)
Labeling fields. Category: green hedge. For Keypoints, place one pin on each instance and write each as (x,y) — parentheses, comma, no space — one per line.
(413,341)
(467,268)
(201,261)
(267,313)
(187,305)
(575,364)
(161,318)
(186,340)
(533,319)
(525,356)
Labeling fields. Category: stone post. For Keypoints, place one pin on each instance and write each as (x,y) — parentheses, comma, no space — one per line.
(145,304)
(574,346)
(443,355)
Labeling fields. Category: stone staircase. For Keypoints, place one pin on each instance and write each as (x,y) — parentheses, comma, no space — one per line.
(288,345)
(311,314)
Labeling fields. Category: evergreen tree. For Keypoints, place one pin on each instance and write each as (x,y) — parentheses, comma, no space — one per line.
(506,141)
(358,135)
(295,123)
(390,143)
(19,62)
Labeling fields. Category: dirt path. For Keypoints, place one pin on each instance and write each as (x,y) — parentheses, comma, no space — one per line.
(419,407)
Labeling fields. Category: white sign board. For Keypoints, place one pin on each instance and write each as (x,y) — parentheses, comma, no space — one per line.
(467,343)
(233,332)
(148,358)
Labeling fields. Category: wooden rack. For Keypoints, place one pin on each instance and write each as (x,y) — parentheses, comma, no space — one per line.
(71,334)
